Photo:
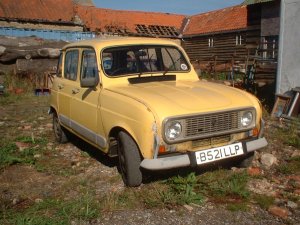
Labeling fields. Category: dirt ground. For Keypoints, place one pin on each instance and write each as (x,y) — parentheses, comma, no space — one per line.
(42,182)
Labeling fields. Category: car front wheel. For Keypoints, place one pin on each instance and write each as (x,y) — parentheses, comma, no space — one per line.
(129,160)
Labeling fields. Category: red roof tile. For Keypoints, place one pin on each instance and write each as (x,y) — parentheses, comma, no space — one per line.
(232,18)
(99,18)
(48,10)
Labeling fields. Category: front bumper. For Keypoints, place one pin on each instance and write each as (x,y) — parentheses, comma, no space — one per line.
(185,160)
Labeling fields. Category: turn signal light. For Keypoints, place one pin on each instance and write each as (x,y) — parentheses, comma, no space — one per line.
(255,132)
(162,149)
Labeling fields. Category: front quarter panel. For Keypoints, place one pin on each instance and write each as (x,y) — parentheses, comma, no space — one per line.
(131,115)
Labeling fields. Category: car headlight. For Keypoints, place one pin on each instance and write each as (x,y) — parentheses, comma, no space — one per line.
(173,130)
(247,118)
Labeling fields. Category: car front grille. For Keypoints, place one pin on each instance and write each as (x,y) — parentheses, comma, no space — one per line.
(207,125)
(204,125)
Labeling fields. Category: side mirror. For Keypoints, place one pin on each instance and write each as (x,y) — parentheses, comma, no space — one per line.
(90,82)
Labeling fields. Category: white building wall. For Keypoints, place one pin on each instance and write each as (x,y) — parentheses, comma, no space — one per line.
(289,47)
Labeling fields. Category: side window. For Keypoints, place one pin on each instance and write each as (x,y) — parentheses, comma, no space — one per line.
(59,67)
(107,61)
(89,64)
(71,65)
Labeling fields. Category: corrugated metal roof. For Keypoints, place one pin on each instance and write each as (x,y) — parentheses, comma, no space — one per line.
(232,18)
(45,10)
(251,2)
(103,20)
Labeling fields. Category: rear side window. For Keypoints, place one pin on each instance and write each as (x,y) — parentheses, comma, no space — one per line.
(59,67)
(71,64)
(89,67)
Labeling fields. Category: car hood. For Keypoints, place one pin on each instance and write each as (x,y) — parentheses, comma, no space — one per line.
(172,98)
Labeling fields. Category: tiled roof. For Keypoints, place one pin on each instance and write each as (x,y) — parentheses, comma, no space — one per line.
(45,10)
(99,19)
(121,21)
(232,18)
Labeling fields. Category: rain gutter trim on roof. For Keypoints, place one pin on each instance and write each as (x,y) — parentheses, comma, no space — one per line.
(215,32)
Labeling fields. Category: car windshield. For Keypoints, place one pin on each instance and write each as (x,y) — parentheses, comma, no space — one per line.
(122,61)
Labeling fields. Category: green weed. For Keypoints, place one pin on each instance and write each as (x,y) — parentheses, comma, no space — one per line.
(264,201)
(291,167)
(158,195)
(221,183)
(184,189)
(127,199)
(289,134)
(241,206)
(10,154)
(9,98)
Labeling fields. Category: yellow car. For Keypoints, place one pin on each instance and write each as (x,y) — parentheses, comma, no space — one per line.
(141,100)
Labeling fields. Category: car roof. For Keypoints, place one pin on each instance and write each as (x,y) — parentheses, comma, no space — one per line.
(117,41)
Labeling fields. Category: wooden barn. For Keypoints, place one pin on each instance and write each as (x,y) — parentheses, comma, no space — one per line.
(242,38)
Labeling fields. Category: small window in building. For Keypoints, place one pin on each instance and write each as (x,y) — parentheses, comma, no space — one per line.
(238,40)
(210,42)
(269,46)
(71,64)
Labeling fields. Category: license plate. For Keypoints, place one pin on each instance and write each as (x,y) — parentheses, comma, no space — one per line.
(215,154)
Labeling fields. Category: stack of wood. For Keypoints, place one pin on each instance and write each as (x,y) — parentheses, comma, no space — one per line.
(29,56)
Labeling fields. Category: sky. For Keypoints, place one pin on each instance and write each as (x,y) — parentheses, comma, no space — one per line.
(185,7)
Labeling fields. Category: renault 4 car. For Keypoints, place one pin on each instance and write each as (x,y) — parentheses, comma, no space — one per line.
(140,99)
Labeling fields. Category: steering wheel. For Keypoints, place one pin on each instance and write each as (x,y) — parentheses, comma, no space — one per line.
(119,71)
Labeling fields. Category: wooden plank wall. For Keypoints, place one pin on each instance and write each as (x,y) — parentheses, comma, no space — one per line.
(224,48)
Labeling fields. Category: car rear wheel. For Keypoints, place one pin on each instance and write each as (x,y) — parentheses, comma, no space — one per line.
(59,131)
(129,160)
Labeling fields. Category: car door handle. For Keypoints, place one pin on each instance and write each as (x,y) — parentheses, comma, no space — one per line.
(75,91)
(61,86)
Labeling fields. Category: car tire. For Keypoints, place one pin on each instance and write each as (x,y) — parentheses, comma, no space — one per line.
(59,131)
(247,161)
(129,160)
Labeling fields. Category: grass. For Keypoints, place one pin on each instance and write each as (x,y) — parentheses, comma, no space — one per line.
(219,186)
(222,183)
(288,135)
(291,167)
(15,82)
(264,201)
(55,211)
(185,189)
(10,154)
(126,199)
(239,206)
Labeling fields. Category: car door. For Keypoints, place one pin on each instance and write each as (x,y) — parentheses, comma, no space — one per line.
(66,84)
(85,104)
